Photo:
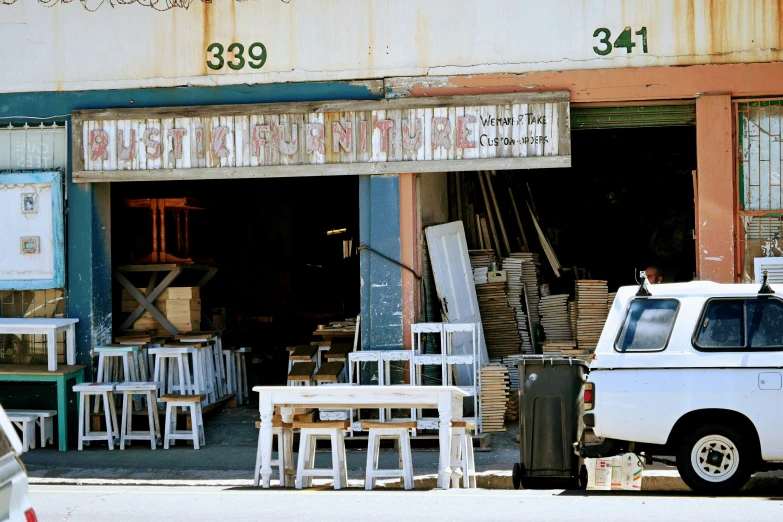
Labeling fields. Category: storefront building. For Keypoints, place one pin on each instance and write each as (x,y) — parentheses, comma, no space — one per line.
(159,98)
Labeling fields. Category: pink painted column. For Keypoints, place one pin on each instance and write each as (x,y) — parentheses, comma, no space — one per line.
(715,171)
(409,253)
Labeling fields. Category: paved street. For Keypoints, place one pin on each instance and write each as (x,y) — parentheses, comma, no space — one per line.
(98,503)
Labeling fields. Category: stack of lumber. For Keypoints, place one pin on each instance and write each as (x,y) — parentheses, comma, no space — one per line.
(572,318)
(610,300)
(494,395)
(515,292)
(529,281)
(498,320)
(563,348)
(591,299)
(513,372)
(554,317)
(512,406)
(482,258)
(180,305)
(480,275)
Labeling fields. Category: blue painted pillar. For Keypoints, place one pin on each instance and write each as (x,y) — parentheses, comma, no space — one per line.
(379,228)
(89,266)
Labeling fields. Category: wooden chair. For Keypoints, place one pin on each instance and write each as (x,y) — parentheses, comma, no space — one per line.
(309,433)
(398,431)
(285,452)
(196,433)
(104,391)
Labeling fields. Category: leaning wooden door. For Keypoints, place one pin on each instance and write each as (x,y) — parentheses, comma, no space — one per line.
(454,285)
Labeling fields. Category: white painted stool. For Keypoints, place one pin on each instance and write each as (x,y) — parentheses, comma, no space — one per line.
(309,433)
(178,357)
(196,433)
(462,463)
(240,365)
(25,423)
(231,374)
(45,423)
(214,344)
(285,452)
(149,391)
(398,431)
(108,372)
(104,390)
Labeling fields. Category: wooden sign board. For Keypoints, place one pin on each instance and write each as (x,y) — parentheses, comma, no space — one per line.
(455,133)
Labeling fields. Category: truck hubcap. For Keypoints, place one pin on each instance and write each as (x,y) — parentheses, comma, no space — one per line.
(715,458)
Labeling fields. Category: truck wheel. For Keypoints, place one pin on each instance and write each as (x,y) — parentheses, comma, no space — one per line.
(715,459)
(516,475)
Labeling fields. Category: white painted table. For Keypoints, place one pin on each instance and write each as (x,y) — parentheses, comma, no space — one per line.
(447,399)
(50,328)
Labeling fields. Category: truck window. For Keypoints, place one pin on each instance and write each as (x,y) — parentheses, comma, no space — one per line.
(722,325)
(741,324)
(647,326)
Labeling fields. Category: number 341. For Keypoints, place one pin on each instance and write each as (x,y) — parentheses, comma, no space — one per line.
(625,40)
(256,54)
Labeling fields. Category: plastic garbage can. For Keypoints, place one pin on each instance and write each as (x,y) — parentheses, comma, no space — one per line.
(550,396)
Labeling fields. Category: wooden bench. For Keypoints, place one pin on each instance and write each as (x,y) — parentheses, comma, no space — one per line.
(25,422)
(45,423)
(301,374)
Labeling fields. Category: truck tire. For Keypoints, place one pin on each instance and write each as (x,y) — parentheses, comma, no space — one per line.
(516,475)
(716,459)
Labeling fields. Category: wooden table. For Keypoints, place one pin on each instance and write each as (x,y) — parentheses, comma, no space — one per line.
(447,399)
(50,328)
(154,289)
(39,373)
(158,206)
(335,333)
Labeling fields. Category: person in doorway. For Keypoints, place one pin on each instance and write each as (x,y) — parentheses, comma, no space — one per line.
(654,275)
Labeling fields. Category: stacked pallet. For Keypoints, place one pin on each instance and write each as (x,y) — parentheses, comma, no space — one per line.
(180,305)
(591,299)
(554,317)
(498,320)
(529,281)
(494,396)
(515,292)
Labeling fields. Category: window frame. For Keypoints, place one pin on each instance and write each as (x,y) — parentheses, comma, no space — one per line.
(740,349)
(628,311)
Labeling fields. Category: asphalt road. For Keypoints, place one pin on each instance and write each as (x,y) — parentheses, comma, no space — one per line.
(102,503)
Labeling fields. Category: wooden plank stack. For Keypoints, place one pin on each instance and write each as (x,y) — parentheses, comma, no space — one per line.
(494,396)
(591,299)
(572,318)
(530,279)
(563,348)
(498,320)
(512,406)
(480,275)
(482,258)
(515,295)
(610,300)
(180,305)
(554,317)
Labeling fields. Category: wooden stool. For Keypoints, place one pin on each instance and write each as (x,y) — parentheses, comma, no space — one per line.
(240,365)
(25,422)
(309,434)
(301,374)
(462,454)
(178,356)
(149,390)
(303,353)
(108,372)
(389,430)
(196,434)
(104,390)
(214,358)
(45,423)
(231,374)
(339,353)
(285,452)
(203,377)
(329,372)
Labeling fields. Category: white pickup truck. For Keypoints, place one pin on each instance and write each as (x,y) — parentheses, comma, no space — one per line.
(693,371)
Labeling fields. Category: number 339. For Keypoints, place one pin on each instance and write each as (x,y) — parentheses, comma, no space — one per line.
(256,53)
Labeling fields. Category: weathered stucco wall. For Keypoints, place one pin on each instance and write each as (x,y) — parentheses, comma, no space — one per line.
(109,44)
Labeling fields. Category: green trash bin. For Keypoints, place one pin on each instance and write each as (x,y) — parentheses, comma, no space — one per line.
(550,396)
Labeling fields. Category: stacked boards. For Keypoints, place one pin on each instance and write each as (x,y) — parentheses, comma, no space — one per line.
(494,396)
(530,277)
(515,293)
(498,320)
(554,317)
(180,305)
(591,305)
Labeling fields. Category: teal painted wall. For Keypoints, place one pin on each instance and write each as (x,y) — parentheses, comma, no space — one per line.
(88,229)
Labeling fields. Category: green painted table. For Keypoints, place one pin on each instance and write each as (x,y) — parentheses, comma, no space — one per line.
(40,373)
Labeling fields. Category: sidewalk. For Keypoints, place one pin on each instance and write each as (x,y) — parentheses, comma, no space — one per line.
(229,456)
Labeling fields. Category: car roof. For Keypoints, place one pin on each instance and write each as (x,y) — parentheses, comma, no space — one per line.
(705,289)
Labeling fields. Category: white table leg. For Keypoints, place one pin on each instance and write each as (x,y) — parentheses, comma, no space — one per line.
(51,349)
(266,409)
(70,345)
(444,436)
